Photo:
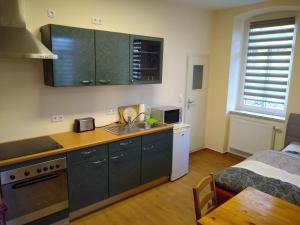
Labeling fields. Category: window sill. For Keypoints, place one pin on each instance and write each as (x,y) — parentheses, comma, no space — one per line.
(259,115)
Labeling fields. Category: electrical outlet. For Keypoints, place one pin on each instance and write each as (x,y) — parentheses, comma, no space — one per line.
(96,20)
(110,111)
(57,118)
(51,13)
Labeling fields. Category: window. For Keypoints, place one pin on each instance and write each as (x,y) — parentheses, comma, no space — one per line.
(197,77)
(267,66)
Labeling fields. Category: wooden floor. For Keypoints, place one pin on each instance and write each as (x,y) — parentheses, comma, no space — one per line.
(167,204)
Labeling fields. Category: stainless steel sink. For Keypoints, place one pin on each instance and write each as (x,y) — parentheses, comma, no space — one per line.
(125,129)
(145,126)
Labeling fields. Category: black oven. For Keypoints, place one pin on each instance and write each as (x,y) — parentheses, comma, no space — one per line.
(35,192)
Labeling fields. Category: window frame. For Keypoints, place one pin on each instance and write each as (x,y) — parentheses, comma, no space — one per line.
(240,104)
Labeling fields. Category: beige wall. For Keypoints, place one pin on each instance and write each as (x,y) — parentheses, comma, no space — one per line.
(26,105)
(217,113)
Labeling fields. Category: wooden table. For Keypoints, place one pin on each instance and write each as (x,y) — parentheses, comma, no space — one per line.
(253,207)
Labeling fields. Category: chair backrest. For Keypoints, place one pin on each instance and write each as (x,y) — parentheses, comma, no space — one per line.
(202,197)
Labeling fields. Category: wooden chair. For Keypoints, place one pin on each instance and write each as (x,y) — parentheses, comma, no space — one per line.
(203,198)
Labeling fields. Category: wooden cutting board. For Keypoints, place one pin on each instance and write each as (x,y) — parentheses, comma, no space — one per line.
(121,111)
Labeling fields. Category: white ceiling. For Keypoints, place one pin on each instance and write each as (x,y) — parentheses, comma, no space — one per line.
(218,4)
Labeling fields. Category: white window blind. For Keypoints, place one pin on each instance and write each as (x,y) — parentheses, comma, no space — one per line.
(268,63)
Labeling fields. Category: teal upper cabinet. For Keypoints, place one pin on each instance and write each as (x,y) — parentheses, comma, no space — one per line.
(75,48)
(146,56)
(112,58)
(92,57)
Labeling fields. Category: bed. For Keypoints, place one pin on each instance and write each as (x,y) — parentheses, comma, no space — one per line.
(274,172)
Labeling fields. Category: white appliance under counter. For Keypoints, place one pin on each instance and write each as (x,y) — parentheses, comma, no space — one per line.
(181,150)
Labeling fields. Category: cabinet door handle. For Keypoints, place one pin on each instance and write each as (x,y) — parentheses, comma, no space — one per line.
(87,154)
(86,82)
(117,157)
(124,144)
(148,148)
(99,163)
(104,81)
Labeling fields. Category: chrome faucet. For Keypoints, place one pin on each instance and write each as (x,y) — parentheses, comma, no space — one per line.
(130,121)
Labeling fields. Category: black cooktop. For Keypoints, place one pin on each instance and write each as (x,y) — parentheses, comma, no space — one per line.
(27,147)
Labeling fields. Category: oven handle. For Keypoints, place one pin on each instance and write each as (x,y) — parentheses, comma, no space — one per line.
(35,180)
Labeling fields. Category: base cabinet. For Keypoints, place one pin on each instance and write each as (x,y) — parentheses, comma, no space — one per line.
(88,176)
(100,172)
(156,155)
(124,165)
(124,171)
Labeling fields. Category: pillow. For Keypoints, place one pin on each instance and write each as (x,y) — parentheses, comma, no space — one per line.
(294,148)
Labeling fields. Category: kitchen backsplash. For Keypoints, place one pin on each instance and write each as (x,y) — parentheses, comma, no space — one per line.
(27,106)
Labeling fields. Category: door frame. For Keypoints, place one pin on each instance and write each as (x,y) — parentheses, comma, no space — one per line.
(205,59)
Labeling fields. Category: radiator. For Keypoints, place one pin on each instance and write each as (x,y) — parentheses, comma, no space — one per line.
(250,136)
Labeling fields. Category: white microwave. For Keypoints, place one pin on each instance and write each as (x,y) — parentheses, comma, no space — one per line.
(167,114)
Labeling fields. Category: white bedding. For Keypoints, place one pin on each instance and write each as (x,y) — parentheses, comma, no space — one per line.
(269,171)
(275,173)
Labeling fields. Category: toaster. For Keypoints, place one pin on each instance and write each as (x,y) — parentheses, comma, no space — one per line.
(84,124)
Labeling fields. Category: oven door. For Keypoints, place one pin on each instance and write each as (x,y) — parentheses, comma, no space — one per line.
(34,198)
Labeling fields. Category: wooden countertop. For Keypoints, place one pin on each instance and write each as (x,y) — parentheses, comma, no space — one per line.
(252,206)
(73,141)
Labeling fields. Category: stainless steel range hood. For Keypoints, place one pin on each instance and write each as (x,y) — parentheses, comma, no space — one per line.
(15,40)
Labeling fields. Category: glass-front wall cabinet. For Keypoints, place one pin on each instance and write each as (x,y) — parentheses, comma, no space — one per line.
(146,59)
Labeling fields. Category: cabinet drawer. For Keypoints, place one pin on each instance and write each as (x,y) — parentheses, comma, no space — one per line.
(125,144)
(89,154)
(159,137)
